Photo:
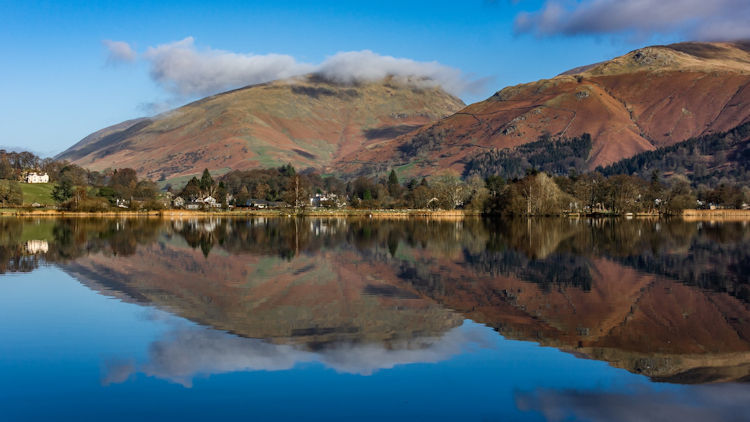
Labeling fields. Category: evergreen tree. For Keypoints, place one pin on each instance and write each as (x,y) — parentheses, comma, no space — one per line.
(394,188)
(192,190)
(221,194)
(206,182)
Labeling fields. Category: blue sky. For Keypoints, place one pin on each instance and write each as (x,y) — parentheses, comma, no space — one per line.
(58,85)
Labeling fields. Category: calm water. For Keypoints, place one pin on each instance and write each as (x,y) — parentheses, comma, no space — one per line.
(346,319)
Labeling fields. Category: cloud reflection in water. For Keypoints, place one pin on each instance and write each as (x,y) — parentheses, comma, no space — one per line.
(188,351)
(718,403)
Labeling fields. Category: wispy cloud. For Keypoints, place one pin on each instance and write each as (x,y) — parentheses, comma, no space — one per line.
(185,70)
(119,52)
(693,19)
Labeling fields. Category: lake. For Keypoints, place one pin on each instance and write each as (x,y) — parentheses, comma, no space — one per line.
(367,319)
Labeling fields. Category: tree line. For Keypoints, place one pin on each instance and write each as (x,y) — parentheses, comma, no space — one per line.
(541,178)
(75,188)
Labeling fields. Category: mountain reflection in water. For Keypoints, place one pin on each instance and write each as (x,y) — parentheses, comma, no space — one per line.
(668,299)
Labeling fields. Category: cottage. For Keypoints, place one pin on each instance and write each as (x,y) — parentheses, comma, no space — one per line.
(178,202)
(211,202)
(327,200)
(34,177)
(256,203)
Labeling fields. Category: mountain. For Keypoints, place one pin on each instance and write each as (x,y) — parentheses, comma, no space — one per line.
(306,121)
(649,98)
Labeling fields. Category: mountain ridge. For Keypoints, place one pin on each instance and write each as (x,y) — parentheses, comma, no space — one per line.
(649,98)
(646,99)
(306,121)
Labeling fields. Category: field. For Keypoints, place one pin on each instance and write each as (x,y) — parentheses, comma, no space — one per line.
(38,192)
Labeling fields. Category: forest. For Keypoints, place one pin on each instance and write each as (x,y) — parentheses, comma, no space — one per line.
(707,161)
(552,156)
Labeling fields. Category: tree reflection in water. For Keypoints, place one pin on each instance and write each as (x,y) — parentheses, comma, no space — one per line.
(666,298)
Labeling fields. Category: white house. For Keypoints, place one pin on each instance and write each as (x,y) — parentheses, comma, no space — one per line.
(36,246)
(35,177)
(326,200)
(211,202)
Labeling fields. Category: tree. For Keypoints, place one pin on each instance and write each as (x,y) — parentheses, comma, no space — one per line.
(535,194)
(145,190)
(75,174)
(221,194)
(421,196)
(242,197)
(6,170)
(261,190)
(124,181)
(122,177)
(63,191)
(10,193)
(626,192)
(206,182)
(450,190)
(192,190)
(478,193)
(495,184)
(680,196)
(297,191)
(394,188)
(287,170)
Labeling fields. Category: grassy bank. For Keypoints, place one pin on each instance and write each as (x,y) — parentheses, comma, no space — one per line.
(716,215)
(690,215)
(23,212)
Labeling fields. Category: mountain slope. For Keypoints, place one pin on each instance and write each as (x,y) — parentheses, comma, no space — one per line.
(649,98)
(706,160)
(304,121)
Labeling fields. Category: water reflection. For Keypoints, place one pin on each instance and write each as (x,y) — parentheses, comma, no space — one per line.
(187,351)
(668,299)
(719,403)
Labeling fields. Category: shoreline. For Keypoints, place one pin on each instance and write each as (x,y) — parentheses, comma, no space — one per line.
(280,213)
(690,215)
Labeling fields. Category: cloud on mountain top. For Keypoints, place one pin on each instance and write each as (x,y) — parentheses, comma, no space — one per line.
(695,19)
(186,71)
(183,69)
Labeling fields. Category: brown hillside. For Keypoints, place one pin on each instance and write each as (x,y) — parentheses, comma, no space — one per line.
(305,121)
(648,98)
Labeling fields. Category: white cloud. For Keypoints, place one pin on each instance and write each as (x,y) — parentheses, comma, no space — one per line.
(695,19)
(358,66)
(119,51)
(184,70)
(187,71)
